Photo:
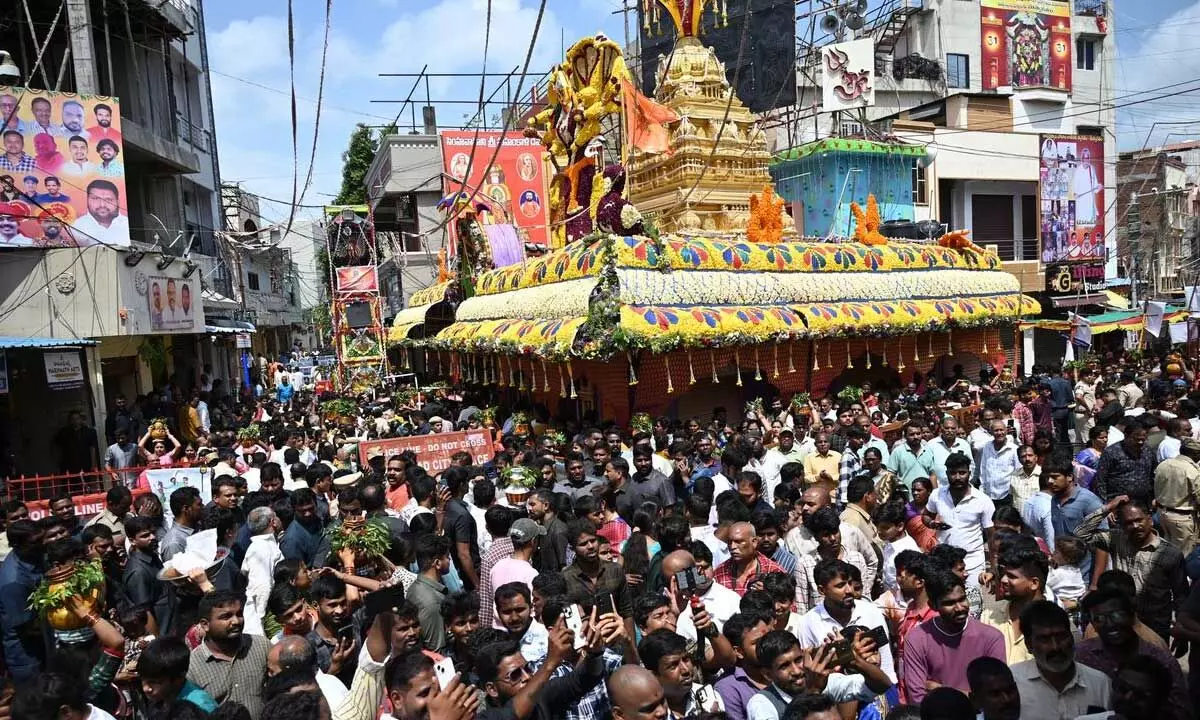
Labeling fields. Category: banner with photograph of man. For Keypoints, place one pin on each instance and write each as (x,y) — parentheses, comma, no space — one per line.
(62,173)
(174,303)
(1072,198)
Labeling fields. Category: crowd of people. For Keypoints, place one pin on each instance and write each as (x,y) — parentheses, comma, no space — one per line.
(1003,548)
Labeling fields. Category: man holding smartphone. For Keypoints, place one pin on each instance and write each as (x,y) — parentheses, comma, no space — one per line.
(790,668)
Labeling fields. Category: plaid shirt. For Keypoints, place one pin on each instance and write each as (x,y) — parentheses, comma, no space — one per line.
(594,705)
(724,573)
(850,464)
(501,548)
(1157,569)
(1024,417)
(808,594)
(25,164)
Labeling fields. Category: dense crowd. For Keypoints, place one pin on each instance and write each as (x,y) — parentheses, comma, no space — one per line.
(1001,547)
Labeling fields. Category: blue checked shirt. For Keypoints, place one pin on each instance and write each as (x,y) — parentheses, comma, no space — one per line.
(594,705)
(25,164)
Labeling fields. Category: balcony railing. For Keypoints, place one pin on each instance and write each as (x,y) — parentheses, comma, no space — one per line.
(1094,8)
(193,134)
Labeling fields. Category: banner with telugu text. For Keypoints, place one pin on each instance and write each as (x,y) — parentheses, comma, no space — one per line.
(513,187)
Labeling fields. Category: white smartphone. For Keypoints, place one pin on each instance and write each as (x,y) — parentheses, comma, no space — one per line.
(444,671)
(574,622)
(708,700)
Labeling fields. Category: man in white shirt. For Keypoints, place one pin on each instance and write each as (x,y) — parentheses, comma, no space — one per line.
(1177,430)
(783,659)
(1053,684)
(697,509)
(10,233)
(294,652)
(962,515)
(103,222)
(981,435)
(1027,478)
(997,463)
(259,565)
(839,610)
(719,602)
(889,521)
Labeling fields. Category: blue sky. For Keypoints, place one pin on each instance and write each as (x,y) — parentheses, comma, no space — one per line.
(247,44)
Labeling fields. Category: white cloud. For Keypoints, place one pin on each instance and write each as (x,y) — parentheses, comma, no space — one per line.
(254,124)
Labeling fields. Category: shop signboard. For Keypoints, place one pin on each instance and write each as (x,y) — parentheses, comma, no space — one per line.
(1071,188)
(64,370)
(62,172)
(513,187)
(243,341)
(433,451)
(1075,279)
(1026,43)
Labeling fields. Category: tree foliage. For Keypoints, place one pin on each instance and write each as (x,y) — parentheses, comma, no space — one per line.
(356,160)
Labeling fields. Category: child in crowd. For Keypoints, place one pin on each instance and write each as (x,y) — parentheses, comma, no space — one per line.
(1065,579)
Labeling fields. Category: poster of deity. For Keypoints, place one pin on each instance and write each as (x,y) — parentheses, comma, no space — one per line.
(1026,44)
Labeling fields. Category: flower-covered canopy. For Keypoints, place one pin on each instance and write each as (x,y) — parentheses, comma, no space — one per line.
(609,294)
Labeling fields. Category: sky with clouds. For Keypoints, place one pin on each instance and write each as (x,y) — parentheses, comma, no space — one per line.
(247,47)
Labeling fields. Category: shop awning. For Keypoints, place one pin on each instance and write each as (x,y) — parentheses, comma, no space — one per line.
(1109,321)
(13,341)
(221,325)
(215,300)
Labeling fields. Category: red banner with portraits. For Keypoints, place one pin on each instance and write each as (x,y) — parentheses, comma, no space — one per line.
(513,187)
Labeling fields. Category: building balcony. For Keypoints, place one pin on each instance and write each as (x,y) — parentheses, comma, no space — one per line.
(140,140)
(195,135)
(173,17)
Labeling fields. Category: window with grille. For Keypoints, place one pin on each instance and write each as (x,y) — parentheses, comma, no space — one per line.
(1085,54)
(958,70)
(920,186)
(252,280)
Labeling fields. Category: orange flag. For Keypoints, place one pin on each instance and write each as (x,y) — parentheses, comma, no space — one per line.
(647,120)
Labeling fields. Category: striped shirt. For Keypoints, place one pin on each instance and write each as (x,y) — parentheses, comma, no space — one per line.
(239,679)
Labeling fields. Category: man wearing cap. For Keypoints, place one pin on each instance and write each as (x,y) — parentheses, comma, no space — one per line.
(525,535)
(1176,489)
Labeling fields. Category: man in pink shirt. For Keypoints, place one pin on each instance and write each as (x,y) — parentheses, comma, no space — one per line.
(937,652)
(518,567)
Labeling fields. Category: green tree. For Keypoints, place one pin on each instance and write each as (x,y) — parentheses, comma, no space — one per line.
(364,143)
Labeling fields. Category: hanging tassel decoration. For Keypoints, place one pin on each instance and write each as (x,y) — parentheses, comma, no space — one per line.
(775,359)
(916,349)
(512,374)
(985,350)
(900,354)
(667,363)
(633,378)
(571,373)
(757,371)
(712,358)
(828,358)
(950,342)
(929,355)
(691,371)
(868,354)
(545,377)
(791,366)
(562,382)
(849,358)
(885,362)
(737,362)
(816,362)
